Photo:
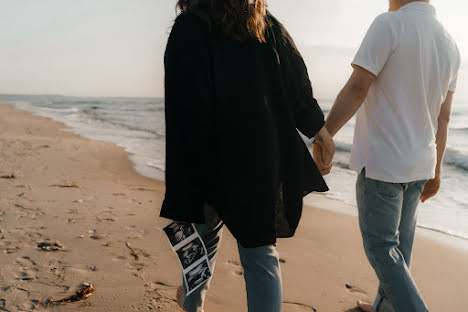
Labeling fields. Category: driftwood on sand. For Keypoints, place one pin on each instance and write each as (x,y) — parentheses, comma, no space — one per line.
(65,185)
(8,176)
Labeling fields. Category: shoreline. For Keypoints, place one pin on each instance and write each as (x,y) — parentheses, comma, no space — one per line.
(86,195)
(146,164)
(342,207)
(337,206)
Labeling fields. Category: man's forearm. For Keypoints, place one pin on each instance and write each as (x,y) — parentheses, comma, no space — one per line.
(441,142)
(442,131)
(346,105)
(349,100)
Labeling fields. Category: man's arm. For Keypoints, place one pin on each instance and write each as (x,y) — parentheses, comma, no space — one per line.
(346,105)
(432,186)
(377,46)
(350,99)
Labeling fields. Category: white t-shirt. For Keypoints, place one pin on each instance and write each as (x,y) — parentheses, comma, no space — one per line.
(416,63)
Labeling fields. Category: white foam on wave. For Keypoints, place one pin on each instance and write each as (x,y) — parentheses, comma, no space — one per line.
(457,158)
(62,110)
(146,147)
(454,157)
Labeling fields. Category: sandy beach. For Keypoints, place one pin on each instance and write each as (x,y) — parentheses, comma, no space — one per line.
(74,211)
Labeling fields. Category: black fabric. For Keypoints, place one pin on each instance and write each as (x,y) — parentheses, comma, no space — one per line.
(232,114)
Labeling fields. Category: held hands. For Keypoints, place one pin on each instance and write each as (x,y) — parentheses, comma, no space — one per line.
(431,188)
(323,151)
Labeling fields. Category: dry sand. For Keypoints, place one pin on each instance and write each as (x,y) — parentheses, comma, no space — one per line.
(84,195)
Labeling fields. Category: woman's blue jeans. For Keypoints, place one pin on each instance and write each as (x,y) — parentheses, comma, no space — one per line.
(261,270)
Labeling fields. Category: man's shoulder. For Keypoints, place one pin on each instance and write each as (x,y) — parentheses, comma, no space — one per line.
(386,25)
(387,18)
(451,41)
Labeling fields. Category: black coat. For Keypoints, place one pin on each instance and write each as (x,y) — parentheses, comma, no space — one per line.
(232,110)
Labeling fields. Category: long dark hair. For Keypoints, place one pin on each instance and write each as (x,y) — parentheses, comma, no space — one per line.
(237,19)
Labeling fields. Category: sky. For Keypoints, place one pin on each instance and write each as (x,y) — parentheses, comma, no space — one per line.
(116,47)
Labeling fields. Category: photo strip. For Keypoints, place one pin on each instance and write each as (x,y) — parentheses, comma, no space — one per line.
(178,232)
(197,276)
(191,252)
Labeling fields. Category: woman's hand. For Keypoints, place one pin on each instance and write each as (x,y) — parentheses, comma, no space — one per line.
(323,151)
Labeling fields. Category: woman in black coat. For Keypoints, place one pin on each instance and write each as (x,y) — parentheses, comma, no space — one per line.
(237,91)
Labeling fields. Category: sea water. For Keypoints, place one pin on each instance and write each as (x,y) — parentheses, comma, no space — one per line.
(137,124)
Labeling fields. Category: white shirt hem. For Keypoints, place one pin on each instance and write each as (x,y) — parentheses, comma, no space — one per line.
(371,174)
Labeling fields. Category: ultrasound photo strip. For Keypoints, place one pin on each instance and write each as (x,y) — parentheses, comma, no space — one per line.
(197,276)
(191,252)
(179,233)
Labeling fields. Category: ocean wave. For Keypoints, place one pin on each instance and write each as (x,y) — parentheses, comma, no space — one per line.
(77,102)
(456,158)
(62,110)
(90,115)
(444,231)
(453,157)
(156,164)
(343,147)
(459,128)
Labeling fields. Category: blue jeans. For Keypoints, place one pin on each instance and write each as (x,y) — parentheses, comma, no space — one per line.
(261,270)
(387,218)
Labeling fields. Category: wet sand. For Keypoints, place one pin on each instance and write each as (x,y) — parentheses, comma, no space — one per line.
(74,211)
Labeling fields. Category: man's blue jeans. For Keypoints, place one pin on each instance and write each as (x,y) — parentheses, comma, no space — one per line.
(387,218)
(261,270)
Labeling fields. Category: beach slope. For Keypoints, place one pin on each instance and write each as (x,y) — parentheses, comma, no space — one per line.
(73,211)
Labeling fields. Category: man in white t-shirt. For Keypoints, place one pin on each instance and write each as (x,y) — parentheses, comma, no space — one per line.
(405,74)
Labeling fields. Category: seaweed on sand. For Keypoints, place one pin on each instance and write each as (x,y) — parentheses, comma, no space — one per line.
(84,292)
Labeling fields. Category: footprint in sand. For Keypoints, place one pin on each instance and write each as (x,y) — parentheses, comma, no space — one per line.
(133,232)
(32,236)
(160,296)
(97,237)
(28,269)
(355,290)
(236,268)
(20,300)
(11,249)
(158,285)
(297,307)
(119,258)
(56,269)
(106,216)
(135,267)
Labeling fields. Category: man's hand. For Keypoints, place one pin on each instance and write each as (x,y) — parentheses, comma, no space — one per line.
(431,188)
(323,151)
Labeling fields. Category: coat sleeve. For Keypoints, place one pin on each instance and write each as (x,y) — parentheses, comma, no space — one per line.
(307,112)
(188,94)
